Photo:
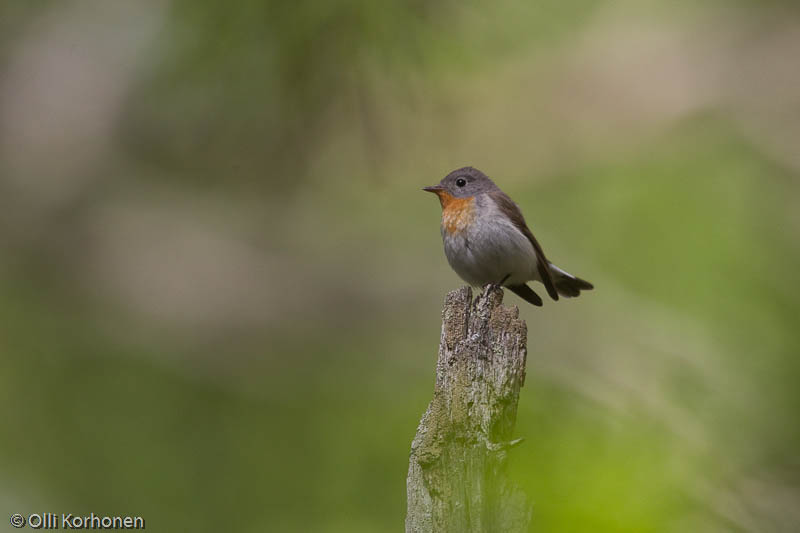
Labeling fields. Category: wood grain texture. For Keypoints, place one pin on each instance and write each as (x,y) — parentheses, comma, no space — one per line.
(456,477)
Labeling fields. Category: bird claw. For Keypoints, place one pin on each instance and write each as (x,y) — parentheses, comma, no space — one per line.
(498,285)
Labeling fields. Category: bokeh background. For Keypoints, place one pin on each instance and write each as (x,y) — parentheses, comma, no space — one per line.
(220,284)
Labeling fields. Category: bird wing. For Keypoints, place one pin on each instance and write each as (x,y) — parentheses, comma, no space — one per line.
(511,210)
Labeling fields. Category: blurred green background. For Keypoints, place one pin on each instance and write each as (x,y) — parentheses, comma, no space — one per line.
(220,284)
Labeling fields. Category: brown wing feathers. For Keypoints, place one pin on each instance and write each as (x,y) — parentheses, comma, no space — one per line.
(510,209)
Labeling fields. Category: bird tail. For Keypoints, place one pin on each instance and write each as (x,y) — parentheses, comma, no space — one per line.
(527,294)
(566,284)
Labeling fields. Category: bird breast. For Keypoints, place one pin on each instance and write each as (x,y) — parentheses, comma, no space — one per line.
(483,245)
(457,214)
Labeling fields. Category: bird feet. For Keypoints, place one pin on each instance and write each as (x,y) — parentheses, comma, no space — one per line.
(499,284)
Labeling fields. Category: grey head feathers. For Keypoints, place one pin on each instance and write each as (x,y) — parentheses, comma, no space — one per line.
(467,181)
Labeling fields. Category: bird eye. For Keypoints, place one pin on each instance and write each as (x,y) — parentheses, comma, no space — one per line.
(461,182)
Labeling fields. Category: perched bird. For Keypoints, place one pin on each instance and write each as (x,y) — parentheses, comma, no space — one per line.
(487,241)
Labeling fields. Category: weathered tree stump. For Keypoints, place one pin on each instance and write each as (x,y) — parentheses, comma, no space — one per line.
(456,476)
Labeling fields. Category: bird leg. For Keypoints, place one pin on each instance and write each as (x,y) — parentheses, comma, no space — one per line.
(498,285)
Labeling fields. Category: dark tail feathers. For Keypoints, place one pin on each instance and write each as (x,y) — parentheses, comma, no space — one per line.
(527,294)
(566,284)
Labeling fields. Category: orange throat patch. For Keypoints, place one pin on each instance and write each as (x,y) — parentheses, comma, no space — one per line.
(457,213)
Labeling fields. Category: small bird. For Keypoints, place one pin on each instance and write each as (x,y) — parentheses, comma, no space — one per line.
(486,240)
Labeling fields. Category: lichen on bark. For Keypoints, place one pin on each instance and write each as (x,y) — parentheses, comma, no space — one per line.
(457,469)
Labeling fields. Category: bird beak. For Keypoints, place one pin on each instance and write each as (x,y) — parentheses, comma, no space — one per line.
(436,189)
